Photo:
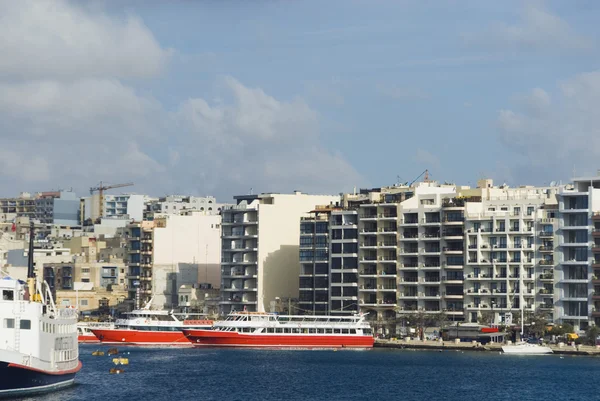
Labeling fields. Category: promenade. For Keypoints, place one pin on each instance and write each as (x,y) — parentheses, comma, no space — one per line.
(560,349)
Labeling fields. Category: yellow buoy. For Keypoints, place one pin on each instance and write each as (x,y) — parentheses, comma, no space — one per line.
(121,361)
(98,353)
(116,371)
(113,351)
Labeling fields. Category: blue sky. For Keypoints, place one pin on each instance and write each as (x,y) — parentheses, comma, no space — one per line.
(217,97)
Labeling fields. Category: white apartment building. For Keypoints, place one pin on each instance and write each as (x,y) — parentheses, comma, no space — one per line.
(463,251)
(400,254)
(509,252)
(176,204)
(578,253)
(260,241)
(171,251)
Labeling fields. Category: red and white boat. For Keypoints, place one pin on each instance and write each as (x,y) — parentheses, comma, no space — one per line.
(84,331)
(152,327)
(256,329)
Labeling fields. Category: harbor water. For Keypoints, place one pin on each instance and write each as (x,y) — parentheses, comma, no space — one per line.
(378,374)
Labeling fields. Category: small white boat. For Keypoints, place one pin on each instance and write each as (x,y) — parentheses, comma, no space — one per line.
(524,348)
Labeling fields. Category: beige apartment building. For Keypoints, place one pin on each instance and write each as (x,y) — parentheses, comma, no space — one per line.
(260,243)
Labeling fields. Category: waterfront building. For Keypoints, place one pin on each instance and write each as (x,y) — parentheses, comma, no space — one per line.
(578,254)
(314,262)
(343,262)
(170,251)
(472,253)
(329,261)
(260,240)
(508,252)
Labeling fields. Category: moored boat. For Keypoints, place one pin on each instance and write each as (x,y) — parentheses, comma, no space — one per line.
(85,334)
(152,328)
(524,348)
(38,343)
(255,329)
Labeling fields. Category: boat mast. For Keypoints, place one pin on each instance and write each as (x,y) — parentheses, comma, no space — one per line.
(30,269)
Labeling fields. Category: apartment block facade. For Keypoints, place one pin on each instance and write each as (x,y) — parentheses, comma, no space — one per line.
(471,253)
(171,251)
(261,248)
(578,254)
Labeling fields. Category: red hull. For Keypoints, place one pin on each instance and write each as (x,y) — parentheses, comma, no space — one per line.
(211,338)
(87,338)
(141,337)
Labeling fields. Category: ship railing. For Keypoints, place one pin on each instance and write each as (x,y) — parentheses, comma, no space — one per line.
(67,313)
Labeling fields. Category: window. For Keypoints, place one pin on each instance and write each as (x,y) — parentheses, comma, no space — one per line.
(85,270)
(8,295)
(83,302)
(9,323)
(530,210)
(85,280)
(25,324)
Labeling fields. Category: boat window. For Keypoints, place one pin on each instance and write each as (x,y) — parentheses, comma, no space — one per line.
(279,330)
(295,331)
(320,331)
(352,331)
(312,331)
(336,331)
(8,295)
(367,332)
(344,331)
(328,331)
(9,323)
(286,330)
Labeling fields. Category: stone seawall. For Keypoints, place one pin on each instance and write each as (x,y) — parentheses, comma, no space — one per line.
(560,349)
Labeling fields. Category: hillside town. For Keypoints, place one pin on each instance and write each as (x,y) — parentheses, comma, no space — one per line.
(426,247)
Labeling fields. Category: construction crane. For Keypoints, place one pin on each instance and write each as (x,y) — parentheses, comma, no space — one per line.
(426,179)
(101,188)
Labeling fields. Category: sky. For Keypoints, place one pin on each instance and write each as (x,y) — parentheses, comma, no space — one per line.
(230,97)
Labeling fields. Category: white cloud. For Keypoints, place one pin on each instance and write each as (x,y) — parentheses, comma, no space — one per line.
(258,141)
(70,121)
(536,29)
(59,39)
(553,132)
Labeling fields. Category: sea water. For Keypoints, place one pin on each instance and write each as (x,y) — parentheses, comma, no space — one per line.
(377,374)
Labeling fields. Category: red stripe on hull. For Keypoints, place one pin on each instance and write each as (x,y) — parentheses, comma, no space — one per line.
(47,372)
(90,338)
(234,339)
(141,337)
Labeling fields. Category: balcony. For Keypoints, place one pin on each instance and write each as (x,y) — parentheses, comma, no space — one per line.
(387,216)
(368,272)
(596,216)
(546,234)
(547,262)
(388,259)
(409,222)
(545,248)
(546,276)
